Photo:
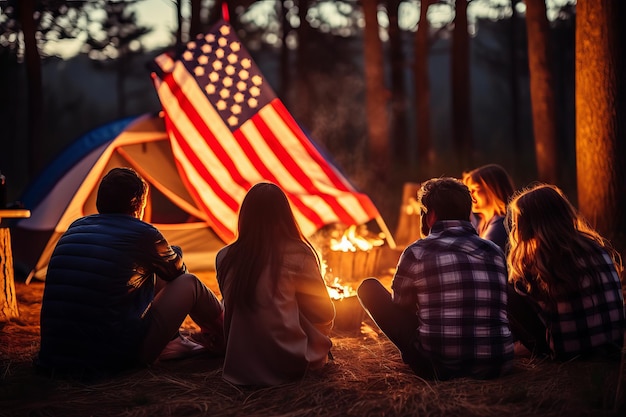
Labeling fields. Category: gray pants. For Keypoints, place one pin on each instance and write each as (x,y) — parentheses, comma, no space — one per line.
(174,300)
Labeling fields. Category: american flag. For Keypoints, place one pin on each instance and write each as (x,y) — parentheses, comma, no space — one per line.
(228,131)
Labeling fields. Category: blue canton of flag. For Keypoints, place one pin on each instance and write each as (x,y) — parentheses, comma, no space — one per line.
(230,79)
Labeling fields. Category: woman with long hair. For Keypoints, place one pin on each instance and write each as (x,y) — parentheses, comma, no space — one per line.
(278,314)
(567,295)
(491,188)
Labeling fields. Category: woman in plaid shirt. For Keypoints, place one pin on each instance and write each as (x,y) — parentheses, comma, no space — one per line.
(567,299)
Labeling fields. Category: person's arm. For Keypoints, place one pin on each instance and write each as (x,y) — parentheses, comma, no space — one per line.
(403,283)
(166,260)
(219,273)
(496,232)
(313,299)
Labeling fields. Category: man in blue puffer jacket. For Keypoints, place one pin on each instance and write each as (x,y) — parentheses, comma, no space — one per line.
(116,292)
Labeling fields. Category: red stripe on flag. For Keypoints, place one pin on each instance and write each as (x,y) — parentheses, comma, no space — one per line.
(224,232)
(335,177)
(338,183)
(205,132)
(297,170)
(268,175)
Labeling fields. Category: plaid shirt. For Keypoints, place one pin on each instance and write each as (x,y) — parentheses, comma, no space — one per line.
(591,317)
(456,283)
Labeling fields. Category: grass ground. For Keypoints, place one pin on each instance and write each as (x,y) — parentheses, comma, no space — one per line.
(366,378)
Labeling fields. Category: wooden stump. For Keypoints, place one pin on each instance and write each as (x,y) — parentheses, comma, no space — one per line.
(8,300)
(409,223)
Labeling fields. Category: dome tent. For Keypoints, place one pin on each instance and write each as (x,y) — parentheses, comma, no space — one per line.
(67,190)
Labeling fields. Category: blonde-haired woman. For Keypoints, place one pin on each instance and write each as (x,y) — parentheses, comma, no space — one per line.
(567,298)
(491,188)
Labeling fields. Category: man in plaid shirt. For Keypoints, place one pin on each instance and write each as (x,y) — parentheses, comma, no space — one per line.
(448,311)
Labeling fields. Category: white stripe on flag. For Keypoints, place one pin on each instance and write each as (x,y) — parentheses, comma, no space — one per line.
(227,217)
(165,62)
(195,141)
(283,176)
(320,180)
(293,146)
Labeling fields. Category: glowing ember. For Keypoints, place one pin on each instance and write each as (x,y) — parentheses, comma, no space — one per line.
(336,291)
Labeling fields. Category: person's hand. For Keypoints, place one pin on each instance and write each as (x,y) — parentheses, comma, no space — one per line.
(178,250)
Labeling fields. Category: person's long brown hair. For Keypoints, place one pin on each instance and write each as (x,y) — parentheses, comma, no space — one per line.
(266,224)
(548,237)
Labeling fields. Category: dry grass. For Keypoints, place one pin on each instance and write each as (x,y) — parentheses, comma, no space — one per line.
(366,378)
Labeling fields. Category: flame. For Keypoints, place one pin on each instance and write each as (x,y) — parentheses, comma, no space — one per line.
(337,291)
(350,242)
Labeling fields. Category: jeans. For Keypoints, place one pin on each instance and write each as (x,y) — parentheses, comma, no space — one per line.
(525,323)
(399,325)
(185,295)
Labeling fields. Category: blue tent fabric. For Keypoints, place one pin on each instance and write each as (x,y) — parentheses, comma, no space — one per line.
(44,182)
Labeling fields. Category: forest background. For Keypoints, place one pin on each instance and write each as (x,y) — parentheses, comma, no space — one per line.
(391,96)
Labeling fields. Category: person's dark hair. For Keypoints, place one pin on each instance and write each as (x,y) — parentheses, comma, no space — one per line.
(121,191)
(448,197)
(496,183)
(266,223)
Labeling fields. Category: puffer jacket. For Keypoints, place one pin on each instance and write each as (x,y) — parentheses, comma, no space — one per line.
(99,284)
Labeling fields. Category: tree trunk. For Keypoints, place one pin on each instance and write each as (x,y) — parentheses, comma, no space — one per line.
(461,104)
(399,131)
(409,220)
(215,13)
(376,94)
(179,23)
(35,95)
(284,51)
(542,91)
(10,166)
(600,121)
(425,151)
(195,22)
(8,300)
(120,81)
(302,84)
(514,84)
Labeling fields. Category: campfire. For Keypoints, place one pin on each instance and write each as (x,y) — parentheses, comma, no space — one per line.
(348,256)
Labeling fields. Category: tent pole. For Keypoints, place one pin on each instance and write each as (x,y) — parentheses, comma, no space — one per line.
(30,277)
(385,229)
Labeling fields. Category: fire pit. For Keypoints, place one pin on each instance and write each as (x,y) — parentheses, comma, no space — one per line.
(353,266)
(349,315)
(352,256)
(348,257)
